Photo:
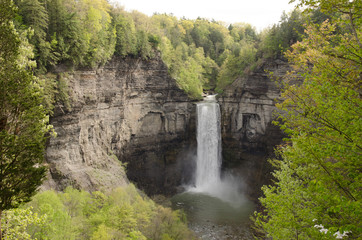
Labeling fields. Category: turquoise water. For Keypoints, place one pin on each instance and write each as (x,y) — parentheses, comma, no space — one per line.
(212,218)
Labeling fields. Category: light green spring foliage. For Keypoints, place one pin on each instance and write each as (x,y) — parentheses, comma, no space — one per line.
(122,214)
(185,65)
(17,221)
(317,193)
(201,54)
(24,123)
(236,64)
(198,52)
(89,33)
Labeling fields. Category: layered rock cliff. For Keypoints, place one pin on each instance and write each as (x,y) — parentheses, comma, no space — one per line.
(128,113)
(249,137)
(131,114)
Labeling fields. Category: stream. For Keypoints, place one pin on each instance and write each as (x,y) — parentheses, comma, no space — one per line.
(213,219)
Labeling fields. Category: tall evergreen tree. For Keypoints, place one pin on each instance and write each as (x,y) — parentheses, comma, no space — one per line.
(35,16)
(126,39)
(66,33)
(23,119)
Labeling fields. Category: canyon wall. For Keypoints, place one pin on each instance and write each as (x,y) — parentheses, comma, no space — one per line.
(128,114)
(249,137)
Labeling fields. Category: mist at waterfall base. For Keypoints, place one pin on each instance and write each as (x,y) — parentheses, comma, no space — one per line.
(214,203)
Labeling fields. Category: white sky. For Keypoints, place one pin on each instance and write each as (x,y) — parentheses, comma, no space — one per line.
(259,13)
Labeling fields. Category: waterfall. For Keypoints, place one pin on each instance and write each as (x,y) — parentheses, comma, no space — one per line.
(215,201)
(208,161)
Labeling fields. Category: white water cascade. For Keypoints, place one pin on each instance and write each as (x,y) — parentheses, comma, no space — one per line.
(214,203)
(208,161)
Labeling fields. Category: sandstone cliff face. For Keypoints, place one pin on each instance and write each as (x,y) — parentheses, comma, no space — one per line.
(129,109)
(249,137)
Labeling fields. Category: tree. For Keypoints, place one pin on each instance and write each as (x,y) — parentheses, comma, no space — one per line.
(235,64)
(317,190)
(96,31)
(23,119)
(281,36)
(18,222)
(35,16)
(66,32)
(126,38)
(120,214)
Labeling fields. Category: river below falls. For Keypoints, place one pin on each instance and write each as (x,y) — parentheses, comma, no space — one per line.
(214,219)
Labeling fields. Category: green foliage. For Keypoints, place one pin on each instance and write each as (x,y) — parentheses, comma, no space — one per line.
(17,222)
(279,38)
(144,47)
(126,40)
(34,15)
(23,119)
(242,31)
(102,233)
(89,33)
(317,190)
(122,214)
(84,33)
(191,50)
(227,53)
(236,65)
(97,30)
(78,32)
(65,32)
(62,91)
(59,225)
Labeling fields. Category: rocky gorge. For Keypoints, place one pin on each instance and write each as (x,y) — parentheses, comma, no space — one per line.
(130,114)
(249,137)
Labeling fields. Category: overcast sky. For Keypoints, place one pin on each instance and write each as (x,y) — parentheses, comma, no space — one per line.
(259,13)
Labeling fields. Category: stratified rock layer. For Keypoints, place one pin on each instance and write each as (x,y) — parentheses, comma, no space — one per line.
(249,137)
(130,109)
(131,114)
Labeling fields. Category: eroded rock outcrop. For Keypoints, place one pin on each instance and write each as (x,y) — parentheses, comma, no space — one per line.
(249,137)
(129,109)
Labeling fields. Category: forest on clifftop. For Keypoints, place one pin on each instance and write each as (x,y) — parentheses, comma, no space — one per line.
(201,54)
(317,187)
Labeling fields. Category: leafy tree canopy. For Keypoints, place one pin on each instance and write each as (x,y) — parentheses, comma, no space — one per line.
(89,33)
(121,214)
(317,190)
(23,119)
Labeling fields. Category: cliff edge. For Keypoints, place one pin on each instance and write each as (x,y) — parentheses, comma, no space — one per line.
(128,114)
(248,135)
